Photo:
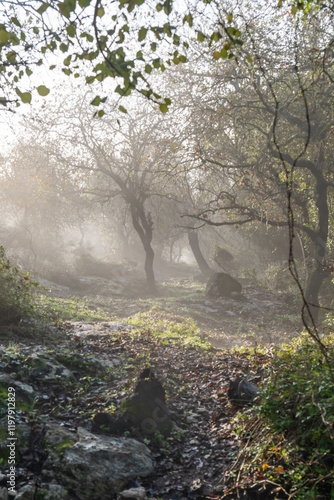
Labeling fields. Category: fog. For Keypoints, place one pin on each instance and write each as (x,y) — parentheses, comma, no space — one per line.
(212,185)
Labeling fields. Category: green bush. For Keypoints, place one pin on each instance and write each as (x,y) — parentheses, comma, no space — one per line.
(287,436)
(299,398)
(298,406)
(16,293)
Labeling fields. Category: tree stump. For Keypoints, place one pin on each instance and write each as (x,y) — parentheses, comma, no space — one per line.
(145,411)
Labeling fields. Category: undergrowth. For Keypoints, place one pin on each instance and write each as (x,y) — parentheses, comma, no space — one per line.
(17,294)
(73,309)
(169,328)
(288,437)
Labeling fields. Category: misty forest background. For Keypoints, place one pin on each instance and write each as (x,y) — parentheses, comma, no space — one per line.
(146,146)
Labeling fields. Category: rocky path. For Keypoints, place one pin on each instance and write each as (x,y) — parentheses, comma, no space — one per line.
(94,368)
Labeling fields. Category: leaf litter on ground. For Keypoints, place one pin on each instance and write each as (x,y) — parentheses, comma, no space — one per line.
(191,462)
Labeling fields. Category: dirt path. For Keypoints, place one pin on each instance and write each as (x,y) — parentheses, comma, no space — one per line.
(191,463)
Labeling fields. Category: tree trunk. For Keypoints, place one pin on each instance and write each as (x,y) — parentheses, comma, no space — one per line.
(143,226)
(149,259)
(317,276)
(194,245)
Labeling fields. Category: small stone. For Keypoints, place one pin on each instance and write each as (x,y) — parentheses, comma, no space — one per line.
(3,494)
(133,494)
(27,492)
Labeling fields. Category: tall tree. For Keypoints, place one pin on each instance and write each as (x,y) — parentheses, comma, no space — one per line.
(116,157)
(262,130)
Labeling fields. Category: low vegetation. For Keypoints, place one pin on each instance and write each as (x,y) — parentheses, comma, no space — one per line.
(17,295)
(288,438)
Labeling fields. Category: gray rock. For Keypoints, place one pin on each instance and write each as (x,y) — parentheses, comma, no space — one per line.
(47,368)
(54,492)
(132,494)
(27,492)
(22,434)
(222,285)
(3,494)
(25,391)
(95,466)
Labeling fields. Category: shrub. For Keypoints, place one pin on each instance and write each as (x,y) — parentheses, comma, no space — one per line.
(16,293)
(299,398)
(298,405)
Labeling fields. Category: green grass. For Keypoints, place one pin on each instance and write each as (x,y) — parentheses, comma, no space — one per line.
(169,328)
(73,309)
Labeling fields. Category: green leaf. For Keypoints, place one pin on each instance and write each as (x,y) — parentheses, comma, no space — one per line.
(4,36)
(231,31)
(121,108)
(249,59)
(100,113)
(229,18)
(63,47)
(100,12)
(25,97)
(90,79)
(11,57)
(216,55)
(183,59)
(131,5)
(142,34)
(200,36)
(188,19)
(223,53)
(168,101)
(96,101)
(167,7)
(42,90)
(216,36)
(280,3)
(84,3)
(159,7)
(16,22)
(67,60)
(294,10)
(148,69)
(71,30)
(14,40)
(163,108)
(66,7)
(43,7)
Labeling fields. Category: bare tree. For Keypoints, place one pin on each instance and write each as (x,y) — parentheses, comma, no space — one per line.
(114,157)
